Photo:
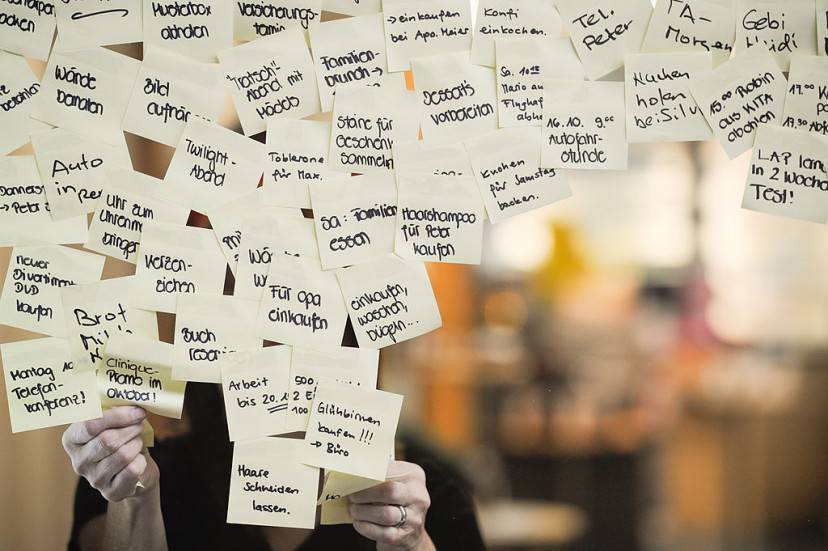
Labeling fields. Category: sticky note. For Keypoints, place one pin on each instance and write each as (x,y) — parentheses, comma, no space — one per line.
(24,210)
(389,301)
(788,175)
(604,31)
(130,199)
(351,429)
(301,305)
(213,165)
(176,260)
(806,105)
(352,7)
(660,107)
(366,123)
(522,66)
(18,89)
(206,328)
(270,486)
(252,19)
(822,27)
(28,28)
(42,387)
(508,173)
(511,19)
(457,99)
(227,220)
(269,77)
(169,91)
(296,154)
(584,125)
(198,30)
(86,91)
(255,383)
(335,489)
(89,23)
(448,159)
(784,27)
(418,28)
(31,293)
(94,311)
(350,50)
(351,366)
(692,26)
(264,238)
(137,371)
(73,169)
(739,95)
(355,218)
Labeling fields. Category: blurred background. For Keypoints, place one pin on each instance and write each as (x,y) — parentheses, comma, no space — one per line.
(640,367)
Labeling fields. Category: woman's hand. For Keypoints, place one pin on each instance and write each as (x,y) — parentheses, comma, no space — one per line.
(109,453)
(376,513)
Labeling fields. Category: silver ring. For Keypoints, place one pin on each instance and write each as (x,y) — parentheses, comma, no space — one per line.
(139,485)
(403,517)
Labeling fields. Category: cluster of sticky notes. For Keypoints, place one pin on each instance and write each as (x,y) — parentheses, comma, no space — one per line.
(345,178)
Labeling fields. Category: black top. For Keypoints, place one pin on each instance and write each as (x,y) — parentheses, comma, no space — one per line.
(195,521)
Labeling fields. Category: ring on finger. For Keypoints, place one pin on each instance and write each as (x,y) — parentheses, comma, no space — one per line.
(403,517)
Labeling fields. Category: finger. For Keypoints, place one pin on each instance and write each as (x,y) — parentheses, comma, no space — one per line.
(375,532)
(124,483)
(398,470)
(117,417)
(105,470)
(108,442)
(392,492)
(382,514)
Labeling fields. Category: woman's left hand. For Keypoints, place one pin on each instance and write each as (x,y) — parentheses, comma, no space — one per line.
(377,515)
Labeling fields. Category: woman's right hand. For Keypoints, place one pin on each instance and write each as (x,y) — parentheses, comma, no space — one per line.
(110,454)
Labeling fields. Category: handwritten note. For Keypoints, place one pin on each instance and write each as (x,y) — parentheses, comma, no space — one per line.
(137,371)
(206,328)
(271,486)
(296,155)
(448,159)
(511,19)
(366,123)
(18,89)
(739,95)
(24,211)
(418,28)
(31,293)
(352,366)
(660,107)
(198,30)
(783,27)
(351,429)
(345,51)
(95,311)
(42,387)
(253,19)
(788,174)
(355,218)
(806,105)
(508,173)
(175,260)
(255,386)
(692,26)
(213,165)
(458,99)
(584,125)
(352,7)
(302,305)
(228,219)
(335,491)
(604,31)
(263,239)
(89,23)
(73,169)
(27,28)
(522,66)
(389,301)
(129,200)
(272,76)
(822,27)
(169,91)
(86,91)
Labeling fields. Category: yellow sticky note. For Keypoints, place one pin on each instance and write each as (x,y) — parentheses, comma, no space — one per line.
(335,489)
(87,23)
(252,20)
(21,87)
(197,31)
(514,19)
(785,27)
(297,155)
(43,389)
(692,26)
(806,105)
(352,7)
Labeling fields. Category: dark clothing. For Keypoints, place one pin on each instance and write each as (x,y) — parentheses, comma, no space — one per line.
(194,520)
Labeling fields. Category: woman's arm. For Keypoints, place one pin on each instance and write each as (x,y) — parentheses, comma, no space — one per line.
(109,453)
